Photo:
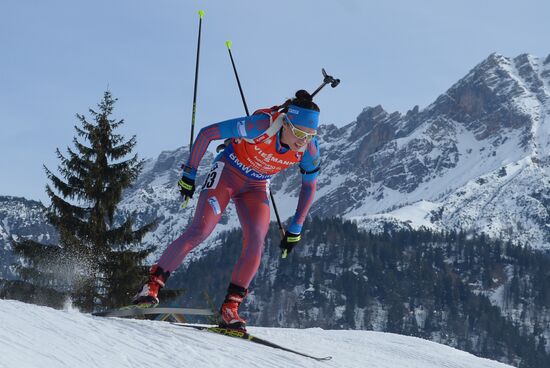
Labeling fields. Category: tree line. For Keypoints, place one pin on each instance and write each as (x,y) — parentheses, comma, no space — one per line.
(431,285)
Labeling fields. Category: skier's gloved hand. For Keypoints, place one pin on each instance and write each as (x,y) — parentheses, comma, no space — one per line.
(186,184)
(289,241)
(187,187)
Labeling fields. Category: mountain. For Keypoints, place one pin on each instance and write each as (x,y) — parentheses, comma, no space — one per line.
(35,336)
(21,219)
(476,159)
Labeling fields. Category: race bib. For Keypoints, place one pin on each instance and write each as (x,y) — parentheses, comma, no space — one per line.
(213,177)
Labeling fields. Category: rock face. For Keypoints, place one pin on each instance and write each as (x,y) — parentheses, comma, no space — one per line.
(20,219)
(477,158)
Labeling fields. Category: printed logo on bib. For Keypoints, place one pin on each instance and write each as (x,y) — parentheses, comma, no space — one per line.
(213,177)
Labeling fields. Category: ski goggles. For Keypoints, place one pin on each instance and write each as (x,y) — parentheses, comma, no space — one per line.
(299,133)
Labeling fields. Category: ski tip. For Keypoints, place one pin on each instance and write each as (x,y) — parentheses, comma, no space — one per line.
(201,13)
(228,43)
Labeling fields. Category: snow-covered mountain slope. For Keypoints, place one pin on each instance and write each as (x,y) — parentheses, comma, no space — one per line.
(478,158)
(35,336)
(20,219)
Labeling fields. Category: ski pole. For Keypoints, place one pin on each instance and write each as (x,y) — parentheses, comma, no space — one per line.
(201,15)
(225,143)
(228,44)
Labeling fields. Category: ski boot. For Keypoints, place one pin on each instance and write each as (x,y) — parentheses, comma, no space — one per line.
(148,295)
(229,310)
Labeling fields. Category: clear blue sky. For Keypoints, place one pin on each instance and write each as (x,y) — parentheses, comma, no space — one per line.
(59,56)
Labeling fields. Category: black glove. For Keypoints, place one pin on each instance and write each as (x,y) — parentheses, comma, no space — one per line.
(289,241)
(187,187)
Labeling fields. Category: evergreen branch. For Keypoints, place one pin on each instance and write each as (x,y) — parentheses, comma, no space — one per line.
(64,188)
(63,208)
(125,235)
(123,149)
(84,150)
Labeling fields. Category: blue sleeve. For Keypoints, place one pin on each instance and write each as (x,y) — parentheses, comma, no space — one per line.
(311,161)
(244,127)
(309,165)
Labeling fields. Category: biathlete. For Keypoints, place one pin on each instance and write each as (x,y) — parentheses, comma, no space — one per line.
(262,145)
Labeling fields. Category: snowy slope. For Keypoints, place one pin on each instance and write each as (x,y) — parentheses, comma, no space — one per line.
(35,336)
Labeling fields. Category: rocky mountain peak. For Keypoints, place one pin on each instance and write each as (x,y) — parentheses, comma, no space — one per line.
(498,95)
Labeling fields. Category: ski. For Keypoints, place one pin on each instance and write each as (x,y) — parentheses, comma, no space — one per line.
(246,336)
(137,311)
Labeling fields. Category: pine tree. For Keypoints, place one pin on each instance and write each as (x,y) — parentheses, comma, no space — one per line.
(98,259)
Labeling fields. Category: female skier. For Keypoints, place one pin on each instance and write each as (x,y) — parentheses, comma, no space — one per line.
(262,144)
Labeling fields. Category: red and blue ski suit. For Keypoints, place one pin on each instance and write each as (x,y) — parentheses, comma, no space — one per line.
(242,173)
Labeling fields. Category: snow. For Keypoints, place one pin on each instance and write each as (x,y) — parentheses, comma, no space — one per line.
(417,215)
(34,336)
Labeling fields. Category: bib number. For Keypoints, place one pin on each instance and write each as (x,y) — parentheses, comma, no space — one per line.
(213,177)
